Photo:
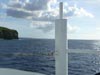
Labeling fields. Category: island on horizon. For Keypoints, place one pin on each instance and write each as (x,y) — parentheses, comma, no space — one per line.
(8,34)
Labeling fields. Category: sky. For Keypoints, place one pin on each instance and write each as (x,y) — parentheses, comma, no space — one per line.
(35,18)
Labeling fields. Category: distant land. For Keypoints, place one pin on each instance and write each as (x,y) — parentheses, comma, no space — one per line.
(8,34)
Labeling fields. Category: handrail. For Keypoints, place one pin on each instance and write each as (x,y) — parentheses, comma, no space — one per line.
(20,54)
(52,53)
(89,51)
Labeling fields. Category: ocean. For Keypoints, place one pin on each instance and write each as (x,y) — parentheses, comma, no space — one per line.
(36,55)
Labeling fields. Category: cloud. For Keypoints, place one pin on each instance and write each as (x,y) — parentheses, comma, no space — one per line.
(25,8)
(15,5)
(83,12)
(72,29)
(33,5)
(36,5)
(2,11)
(43,26)
(75,11)
(3,6)
(46,28)
(43,10)
(18,13)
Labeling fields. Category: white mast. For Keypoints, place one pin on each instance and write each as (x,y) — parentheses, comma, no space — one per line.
(61,10)
(61,54)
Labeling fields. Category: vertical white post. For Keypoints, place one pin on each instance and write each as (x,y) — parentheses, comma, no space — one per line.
(61,54)
(61,10)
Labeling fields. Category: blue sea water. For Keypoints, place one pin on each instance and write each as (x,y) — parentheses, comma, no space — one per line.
(34,55)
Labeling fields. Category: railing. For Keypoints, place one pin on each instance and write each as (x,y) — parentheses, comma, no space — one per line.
(83,51)
(52,53)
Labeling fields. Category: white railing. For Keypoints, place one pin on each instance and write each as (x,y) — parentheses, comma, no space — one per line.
(89,51)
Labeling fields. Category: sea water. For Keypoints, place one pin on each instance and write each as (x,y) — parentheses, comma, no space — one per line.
(36,55)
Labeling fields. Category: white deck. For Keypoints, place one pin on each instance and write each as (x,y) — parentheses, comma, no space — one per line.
(6,71)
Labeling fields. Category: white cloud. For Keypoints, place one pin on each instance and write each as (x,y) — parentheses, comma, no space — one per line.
(75,11)
(43,9)
(27,1)
(3,6)
(14,1)
(69,11)
(44,26)
(72,29)
(83,12)
(20,7)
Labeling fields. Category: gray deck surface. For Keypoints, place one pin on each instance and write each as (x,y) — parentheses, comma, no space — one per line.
(6,71)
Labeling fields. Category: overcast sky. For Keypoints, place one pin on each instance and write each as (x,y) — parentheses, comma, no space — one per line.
(35,18)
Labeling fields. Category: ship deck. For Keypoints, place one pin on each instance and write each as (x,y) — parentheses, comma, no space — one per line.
(7,71)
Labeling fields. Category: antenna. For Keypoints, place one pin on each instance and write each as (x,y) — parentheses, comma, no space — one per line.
(61,10)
